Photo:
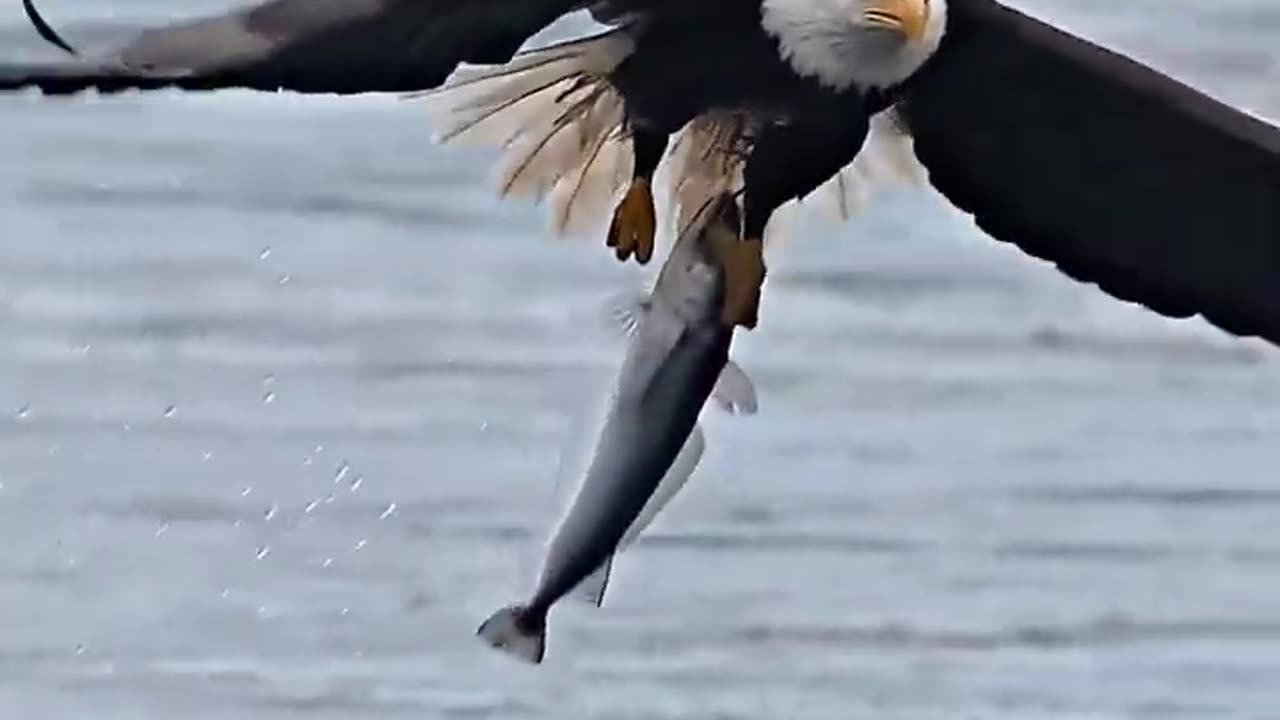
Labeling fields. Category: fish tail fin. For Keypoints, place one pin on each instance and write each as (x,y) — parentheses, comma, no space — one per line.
(593,587)
(516,631)
(558,120)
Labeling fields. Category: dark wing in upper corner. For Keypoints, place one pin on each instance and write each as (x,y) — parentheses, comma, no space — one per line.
(1120,175)
(310,46)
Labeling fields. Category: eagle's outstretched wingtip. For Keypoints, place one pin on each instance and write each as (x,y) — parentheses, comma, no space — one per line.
(45,29)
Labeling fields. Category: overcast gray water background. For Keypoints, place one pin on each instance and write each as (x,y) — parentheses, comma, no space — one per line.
(284,387)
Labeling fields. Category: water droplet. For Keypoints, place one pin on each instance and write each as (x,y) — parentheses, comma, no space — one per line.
(266,253)
(268,398)
(306,459)
(328,499)
(84,348)
(355,484)
(164,528)
(484,426)
(345,612)
(1,484)
(235,524)
(207,456)
(226,592)
(270,513)
(24,412)
(283,279)
(327,562)
(126,427)
(388,512)
(263,551)
(311,506)
(319,449)
(246,491)
(80,649)
(343,469)
(170,411)
(360,545)
(268,379)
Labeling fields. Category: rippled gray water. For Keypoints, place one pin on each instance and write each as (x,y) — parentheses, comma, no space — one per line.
(285,388)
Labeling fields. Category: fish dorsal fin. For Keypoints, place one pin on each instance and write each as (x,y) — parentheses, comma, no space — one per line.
(734,392)
(624,312)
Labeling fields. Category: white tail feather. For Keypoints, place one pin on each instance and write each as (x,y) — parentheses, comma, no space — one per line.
(541,156)
(557,119)
(701,166)
(581,202)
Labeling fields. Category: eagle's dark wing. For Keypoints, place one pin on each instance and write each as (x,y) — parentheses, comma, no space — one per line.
(310,46)
(1120,175)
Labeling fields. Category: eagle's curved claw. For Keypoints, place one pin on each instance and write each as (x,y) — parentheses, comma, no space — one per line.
(744,271)
(634,223)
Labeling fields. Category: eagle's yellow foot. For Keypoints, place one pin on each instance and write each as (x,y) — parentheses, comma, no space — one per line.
(634,223)
(744,271)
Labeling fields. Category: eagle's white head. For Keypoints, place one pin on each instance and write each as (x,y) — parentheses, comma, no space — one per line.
(864,43)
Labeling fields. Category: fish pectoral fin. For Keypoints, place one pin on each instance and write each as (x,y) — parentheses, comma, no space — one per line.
(734,392)
(624,311)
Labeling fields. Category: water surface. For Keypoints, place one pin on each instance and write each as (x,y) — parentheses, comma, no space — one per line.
(283,388)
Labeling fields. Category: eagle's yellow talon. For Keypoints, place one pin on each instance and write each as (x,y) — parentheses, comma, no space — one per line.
(634,223)
(743,263)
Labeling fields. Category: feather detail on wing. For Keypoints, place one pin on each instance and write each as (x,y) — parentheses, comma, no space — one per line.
(557,120)
(558,123)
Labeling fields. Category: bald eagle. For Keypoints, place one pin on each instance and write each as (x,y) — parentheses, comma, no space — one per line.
(1120,175)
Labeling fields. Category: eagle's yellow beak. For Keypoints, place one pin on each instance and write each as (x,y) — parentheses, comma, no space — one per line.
(905,16)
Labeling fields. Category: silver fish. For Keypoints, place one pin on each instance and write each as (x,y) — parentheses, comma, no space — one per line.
(734,393)
(678,352)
